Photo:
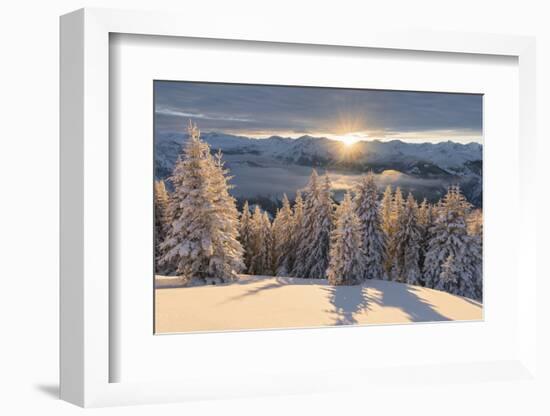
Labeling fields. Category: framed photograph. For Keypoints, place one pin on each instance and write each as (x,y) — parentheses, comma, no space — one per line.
(312,206)
(273,197)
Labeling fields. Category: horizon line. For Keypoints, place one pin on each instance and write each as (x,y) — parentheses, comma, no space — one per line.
(297,136)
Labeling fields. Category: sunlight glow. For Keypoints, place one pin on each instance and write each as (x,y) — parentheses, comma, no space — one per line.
(350,139)
(354,136)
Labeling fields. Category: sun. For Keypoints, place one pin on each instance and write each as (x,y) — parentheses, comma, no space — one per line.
(349,139)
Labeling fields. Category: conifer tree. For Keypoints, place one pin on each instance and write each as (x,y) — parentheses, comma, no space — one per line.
(269,243)
(425,222)
(202,240)
(298,209)
(398,206)
(475,223)
(245,234)
(227,259)
(296,230)
(282,230)
(347,260)
(475,260)
(406,263)
(162,220)
(449,275)
(313,248)
(450,263)
(372,236)
(396,211)
(386,213)
(475,230)
(260,259)
(424,214)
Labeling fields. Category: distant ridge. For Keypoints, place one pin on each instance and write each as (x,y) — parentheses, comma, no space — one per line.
(448,161)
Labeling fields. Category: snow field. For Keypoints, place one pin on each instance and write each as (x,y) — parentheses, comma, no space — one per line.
(264,302)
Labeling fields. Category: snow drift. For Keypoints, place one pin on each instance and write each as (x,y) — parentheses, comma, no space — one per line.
(257,302)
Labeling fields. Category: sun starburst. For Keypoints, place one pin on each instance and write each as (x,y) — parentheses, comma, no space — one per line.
(350,139)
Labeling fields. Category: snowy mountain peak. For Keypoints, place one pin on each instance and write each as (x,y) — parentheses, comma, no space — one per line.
(445,162)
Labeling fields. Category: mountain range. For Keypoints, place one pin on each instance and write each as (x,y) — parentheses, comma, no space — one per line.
(267,168)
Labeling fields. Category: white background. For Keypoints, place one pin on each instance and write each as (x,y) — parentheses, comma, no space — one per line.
(138,60)
(29,225)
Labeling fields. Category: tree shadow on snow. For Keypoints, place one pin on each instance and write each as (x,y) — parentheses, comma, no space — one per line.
(405,297)
(279,280)
(253,291)
(351,300)
(347,301)
(272,282)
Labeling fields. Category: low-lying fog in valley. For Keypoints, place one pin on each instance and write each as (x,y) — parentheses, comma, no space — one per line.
(263,170)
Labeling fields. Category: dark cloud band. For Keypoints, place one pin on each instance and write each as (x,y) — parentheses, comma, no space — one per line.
(258,109)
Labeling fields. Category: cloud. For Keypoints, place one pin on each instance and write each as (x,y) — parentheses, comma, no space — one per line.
(174,112)
(255,110)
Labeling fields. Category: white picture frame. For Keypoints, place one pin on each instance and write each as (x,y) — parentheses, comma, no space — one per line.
(86,301)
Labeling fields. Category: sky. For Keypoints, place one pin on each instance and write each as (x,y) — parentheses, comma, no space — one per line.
(349,115)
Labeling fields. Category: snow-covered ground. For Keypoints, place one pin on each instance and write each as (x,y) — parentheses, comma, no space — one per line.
(256,302)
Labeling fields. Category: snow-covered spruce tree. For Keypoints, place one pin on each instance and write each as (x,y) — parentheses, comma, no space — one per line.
(227,259)
(245,234)
(201,242)
(398,206)
(475,222)
(346,260)
(162,220)
(282,239)
(260,259)
(475,259)
(452,247)
(406,261)
(256,243)
(449,273)
(424,214)
(313,247)
(372,236)
(425,222)
(274,246)
(475,230)
(396,211)
(268,227)
(385,213)
(296,230)
(386,223)
(298,210)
